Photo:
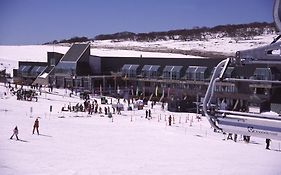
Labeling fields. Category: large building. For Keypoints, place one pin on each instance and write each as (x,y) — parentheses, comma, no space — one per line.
(180,81)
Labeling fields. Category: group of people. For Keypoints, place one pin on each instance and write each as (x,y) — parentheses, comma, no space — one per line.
(246,139)
(35,128)
(92,107)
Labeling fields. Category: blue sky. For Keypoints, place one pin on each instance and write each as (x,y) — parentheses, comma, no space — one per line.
(39,21)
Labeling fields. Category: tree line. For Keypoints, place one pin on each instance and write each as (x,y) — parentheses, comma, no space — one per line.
(235,31)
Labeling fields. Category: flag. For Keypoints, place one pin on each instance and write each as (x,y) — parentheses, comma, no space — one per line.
(156,91)
(100,90)
(137,91)
(168,92)
(163,95)
(118,89)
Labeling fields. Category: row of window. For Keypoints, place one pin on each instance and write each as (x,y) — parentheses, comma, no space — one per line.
(194,73)
(27,70)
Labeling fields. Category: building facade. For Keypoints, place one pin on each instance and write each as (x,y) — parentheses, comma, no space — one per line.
(179,81)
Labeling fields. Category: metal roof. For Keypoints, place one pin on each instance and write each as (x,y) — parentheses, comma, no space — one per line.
(24,68)
(228,71)
(191,69)
(196,69)
(38,69)
(75,52)
(172,68)
(150,68)
(130,67)
(201,69)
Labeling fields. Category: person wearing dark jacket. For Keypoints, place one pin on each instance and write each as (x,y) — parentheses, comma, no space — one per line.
(146,113)
(267,141)
(170,120)
(15,133)
(36,126)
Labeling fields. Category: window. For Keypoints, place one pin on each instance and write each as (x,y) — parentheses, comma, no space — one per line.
(52,61)
(262,74)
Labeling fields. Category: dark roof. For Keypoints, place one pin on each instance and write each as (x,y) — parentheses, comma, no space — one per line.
(227,73)
(24,68)
(129,67)
(125,67)
(38,69)
(201,69)
(172,68)
(191,69)
(75,52)
(150,68)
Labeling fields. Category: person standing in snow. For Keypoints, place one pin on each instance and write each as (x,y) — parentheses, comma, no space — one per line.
(170,120)
(267,141)
(146,113)
(149,114)
(36,126)
(15,133)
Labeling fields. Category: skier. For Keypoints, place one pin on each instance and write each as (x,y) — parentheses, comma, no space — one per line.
(267,141)
(36,126)
(105,110)
(149,114)
(15,133)
(146,113)
(170,120)
(235,138)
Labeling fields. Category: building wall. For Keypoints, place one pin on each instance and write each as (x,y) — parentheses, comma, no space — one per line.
(53,55)
(83,67)
(95,65)
(115,64)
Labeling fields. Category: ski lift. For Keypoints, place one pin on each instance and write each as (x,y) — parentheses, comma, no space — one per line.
(265,125)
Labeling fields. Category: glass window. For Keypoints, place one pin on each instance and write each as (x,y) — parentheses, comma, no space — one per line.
(191,73)
(263,74)
(52,61)
(66,68)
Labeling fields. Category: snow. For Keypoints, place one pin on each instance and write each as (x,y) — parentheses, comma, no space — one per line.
(44,75)
(10,55)
(225,45)
(104,52)
(78,143)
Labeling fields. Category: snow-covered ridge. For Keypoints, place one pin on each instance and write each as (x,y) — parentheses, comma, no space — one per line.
(226,45)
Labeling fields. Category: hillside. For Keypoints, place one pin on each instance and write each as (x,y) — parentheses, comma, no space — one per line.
(238,32)
(203,42)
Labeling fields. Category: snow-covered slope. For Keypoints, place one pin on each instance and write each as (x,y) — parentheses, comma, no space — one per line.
(129,144)
(224,45)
